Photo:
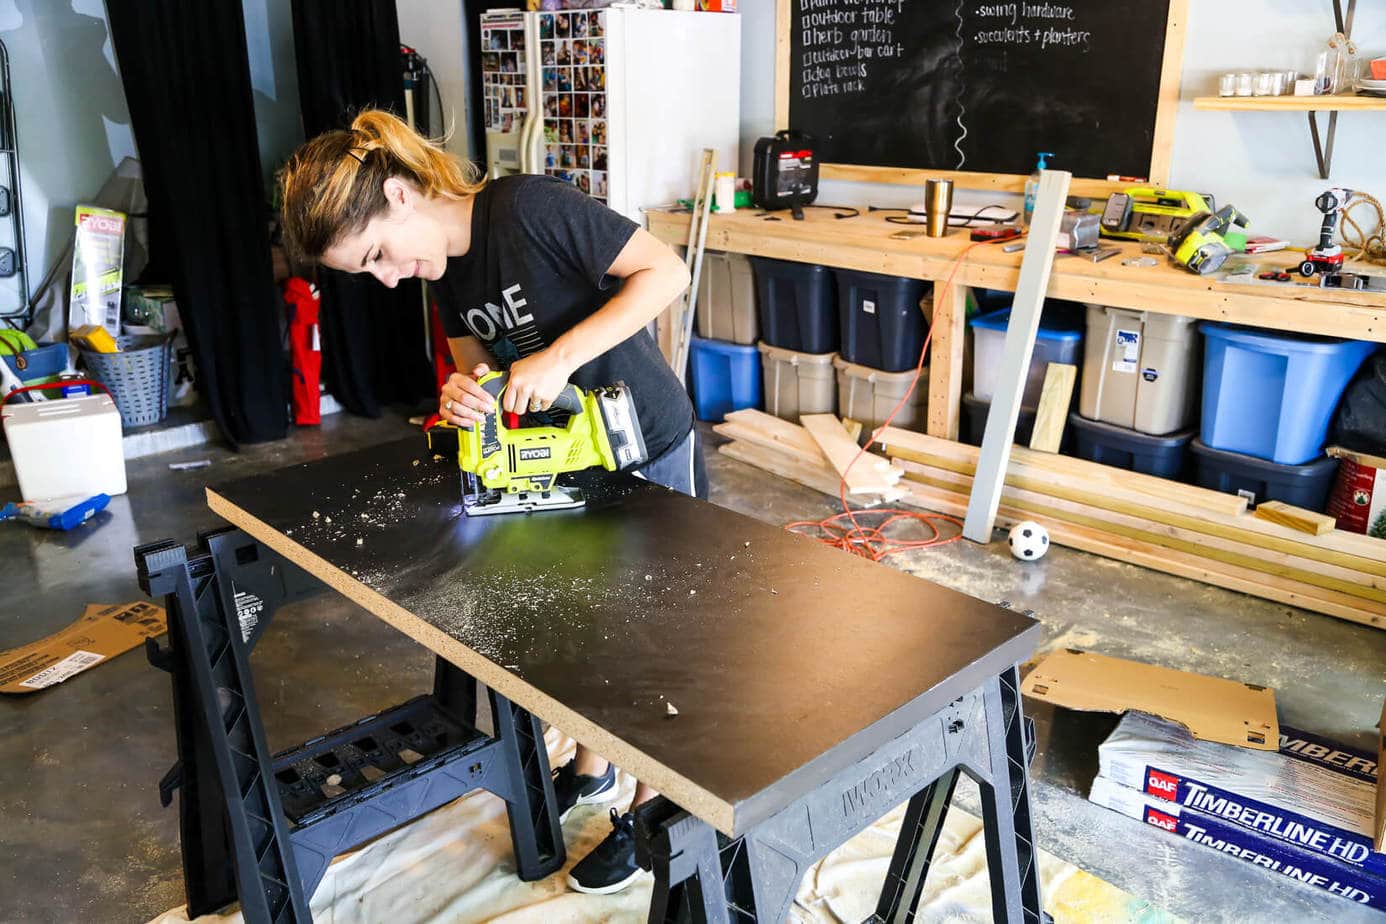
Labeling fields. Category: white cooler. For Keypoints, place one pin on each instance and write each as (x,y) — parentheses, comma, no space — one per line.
(67,447)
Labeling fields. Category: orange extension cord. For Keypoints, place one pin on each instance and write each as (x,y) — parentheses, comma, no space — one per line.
(846,530)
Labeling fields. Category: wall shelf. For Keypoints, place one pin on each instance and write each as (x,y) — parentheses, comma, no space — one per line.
(1312,105)
(1338,103)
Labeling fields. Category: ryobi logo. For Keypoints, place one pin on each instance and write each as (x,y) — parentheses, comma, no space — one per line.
(533,455)
(1161,784)
(103,223)
(1160,820)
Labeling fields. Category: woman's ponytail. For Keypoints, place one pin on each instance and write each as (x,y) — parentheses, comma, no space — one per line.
(334,184)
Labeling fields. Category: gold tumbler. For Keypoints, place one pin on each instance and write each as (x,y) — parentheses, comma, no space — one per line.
(938,204)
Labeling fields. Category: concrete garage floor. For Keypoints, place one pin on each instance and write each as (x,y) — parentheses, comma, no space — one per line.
(84,837)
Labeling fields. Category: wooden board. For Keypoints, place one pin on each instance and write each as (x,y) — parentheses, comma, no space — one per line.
(1349,550)
(866,243)
(863,472)
(1015,355)
(1306,521)
(1242,555)
(1081,471)
(596,619)
(1162,559)
(820,477)
(1054,401)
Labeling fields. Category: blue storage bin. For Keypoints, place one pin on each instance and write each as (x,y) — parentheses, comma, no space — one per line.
(882,326)
(44,361)
(1162,456)
(797,305)
(1056,341)
(1272,395)
(1304,485)
(725,377)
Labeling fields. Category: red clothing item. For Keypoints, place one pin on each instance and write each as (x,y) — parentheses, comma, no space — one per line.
(305,353)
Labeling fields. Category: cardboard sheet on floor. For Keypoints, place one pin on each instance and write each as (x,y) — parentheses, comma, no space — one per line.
(455,865)
(1211,708)
(103,631)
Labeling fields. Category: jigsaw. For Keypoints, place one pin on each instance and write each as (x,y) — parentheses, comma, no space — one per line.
(510,468)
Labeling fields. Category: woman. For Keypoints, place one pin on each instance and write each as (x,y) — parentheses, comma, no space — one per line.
(531,276)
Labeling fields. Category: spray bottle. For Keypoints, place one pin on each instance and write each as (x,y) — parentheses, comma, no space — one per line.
(1032,186)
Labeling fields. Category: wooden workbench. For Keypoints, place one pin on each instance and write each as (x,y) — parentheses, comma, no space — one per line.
(866,243)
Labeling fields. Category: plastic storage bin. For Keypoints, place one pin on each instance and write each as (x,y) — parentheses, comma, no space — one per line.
(1305,485)
(66,447)
(38,364)
(1164,456)
(869,395)
(725,377)
(796,304)
(974,422)
(1139,370)
(727,299)
(798,383)
(1052,345)
(1272,395)
(137,377)
(880,321)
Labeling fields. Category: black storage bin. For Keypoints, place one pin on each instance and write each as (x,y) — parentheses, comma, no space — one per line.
(882,326)
(974,422)
(1304,485)
(797,305)
(1162,456)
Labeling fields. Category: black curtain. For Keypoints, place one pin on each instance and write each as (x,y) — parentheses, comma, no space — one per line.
(373,345)
(187,82)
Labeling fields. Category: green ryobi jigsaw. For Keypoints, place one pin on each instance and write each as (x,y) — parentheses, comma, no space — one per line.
(509,468)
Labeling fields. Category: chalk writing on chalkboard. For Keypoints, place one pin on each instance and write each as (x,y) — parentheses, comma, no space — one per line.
(967,85)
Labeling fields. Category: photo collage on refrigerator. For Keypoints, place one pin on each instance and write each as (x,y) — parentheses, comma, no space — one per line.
(503,67)
(573,67)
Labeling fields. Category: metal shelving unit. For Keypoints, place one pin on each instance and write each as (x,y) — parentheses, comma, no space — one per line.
(13,260)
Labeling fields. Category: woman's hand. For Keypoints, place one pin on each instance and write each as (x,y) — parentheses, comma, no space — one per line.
(535,382)
(464,402)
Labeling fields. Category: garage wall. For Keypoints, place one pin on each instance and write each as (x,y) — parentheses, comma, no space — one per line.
(1261,162)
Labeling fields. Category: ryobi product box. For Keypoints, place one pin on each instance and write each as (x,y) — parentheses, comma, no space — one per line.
(1139,370)
(1313,794)
(1284,859)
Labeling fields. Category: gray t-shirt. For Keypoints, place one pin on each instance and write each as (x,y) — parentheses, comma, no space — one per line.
(537,266)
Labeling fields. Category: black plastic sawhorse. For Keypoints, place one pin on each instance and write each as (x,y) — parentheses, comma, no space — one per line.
(263,828)
(704,877)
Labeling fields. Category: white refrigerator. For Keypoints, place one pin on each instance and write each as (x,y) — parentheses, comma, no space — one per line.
(618,102)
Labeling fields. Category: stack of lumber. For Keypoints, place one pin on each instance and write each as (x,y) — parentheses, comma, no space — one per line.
(1163,525)
(816,455)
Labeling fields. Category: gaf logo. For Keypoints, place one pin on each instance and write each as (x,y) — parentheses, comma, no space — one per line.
(1160,820)
(1162,784)
(102,223)
(531,455)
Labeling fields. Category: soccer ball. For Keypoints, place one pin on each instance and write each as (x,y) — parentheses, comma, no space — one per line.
(1029,541)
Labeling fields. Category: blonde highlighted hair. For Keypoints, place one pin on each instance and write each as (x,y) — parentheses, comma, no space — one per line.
(334,184)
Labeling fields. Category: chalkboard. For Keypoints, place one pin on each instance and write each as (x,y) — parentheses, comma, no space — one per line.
(980,87)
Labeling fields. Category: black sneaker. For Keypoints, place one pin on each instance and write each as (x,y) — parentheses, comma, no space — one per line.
(610,867)
(571,789)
